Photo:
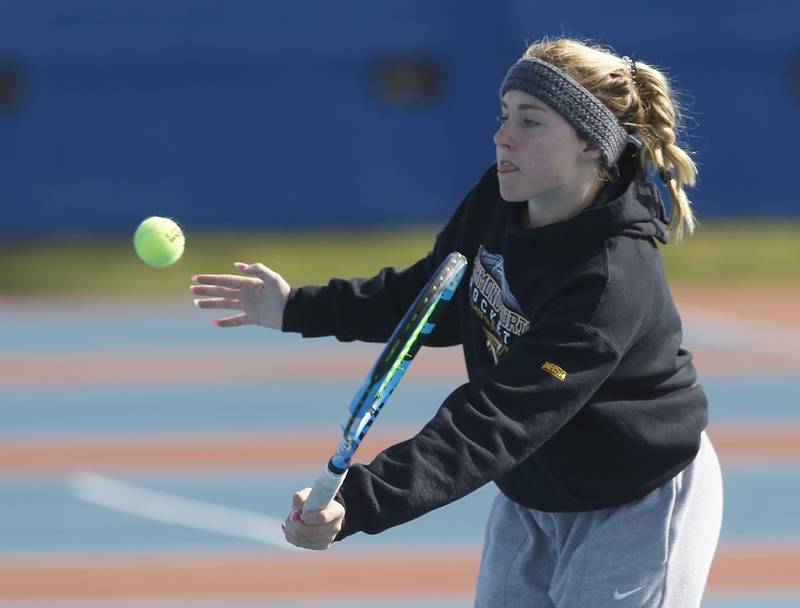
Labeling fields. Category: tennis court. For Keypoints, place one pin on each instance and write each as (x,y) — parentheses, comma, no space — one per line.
(148,458)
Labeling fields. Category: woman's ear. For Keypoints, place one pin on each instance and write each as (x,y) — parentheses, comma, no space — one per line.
(588,150)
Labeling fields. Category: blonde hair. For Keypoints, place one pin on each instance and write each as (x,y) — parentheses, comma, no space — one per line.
(641,97)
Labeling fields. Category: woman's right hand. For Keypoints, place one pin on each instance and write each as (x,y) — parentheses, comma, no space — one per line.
(261,297)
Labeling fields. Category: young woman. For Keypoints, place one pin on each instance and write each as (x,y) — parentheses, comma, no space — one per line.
(581,406)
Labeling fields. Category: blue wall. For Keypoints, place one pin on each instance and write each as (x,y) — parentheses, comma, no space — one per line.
(258,114)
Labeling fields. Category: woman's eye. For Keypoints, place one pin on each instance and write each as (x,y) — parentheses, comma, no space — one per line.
(526,122)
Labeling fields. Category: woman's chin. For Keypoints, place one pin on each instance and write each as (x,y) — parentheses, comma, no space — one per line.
(512,197)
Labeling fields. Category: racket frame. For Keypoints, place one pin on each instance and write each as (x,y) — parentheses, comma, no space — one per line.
(390,366)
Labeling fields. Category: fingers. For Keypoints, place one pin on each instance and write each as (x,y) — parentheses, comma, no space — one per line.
(302,535)
(220,297)
(233,281)
(258,270)
(313,529)
(218,303)
(299,498)
(234,321)
(221,291)
(214,291)
(318,542)
(318,518)
(262,297)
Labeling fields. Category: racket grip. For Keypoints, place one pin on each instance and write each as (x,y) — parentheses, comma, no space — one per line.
(325,488)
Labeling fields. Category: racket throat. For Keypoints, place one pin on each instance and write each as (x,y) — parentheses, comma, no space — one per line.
(341,459)
(337,466)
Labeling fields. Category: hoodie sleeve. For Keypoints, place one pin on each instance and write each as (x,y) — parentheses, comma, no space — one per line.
(484,428)
(363,309)
(368,309)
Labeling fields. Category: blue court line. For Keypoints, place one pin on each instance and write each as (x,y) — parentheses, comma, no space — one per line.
(41,515)
(275,404)
(62,326)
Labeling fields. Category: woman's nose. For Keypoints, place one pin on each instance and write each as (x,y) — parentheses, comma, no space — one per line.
(501,138)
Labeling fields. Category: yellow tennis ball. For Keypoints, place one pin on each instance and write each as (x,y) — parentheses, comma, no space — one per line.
(159,241)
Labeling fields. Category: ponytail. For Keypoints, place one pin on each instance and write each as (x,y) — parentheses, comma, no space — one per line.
(656,122)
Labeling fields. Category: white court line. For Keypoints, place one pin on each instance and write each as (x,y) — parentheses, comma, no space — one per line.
(171,509)
(707,327)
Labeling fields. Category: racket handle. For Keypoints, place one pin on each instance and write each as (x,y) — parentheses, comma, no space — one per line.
(325,488)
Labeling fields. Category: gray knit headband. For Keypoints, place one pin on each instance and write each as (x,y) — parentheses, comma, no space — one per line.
(586,113)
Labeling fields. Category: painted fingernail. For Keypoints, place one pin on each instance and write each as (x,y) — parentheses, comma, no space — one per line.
(196,302)
(215,322)
(194,277)
(295,515)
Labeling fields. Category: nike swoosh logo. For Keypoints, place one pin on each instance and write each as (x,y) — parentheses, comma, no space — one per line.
(622,596)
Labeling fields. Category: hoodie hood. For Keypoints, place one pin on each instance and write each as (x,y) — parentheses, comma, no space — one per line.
(636,210)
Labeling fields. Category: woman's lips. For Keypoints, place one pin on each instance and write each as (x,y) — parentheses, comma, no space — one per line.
(506,167)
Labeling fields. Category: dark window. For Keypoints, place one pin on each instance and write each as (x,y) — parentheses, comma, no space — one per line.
(9,85)
(794,73)
(408,81)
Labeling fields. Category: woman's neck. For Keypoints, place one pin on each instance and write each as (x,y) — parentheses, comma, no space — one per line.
(560,205)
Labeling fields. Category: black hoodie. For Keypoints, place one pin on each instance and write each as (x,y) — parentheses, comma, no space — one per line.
(580,395)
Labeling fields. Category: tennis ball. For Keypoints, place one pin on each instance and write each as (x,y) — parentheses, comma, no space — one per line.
(159,241)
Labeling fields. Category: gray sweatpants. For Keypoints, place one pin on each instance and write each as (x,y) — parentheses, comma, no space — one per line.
(655,552)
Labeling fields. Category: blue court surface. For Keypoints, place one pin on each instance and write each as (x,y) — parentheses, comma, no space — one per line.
(97,376)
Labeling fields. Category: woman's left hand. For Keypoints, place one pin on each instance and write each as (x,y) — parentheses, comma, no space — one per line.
(313,529)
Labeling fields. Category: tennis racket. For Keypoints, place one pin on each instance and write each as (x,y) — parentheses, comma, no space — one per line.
(403,345)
